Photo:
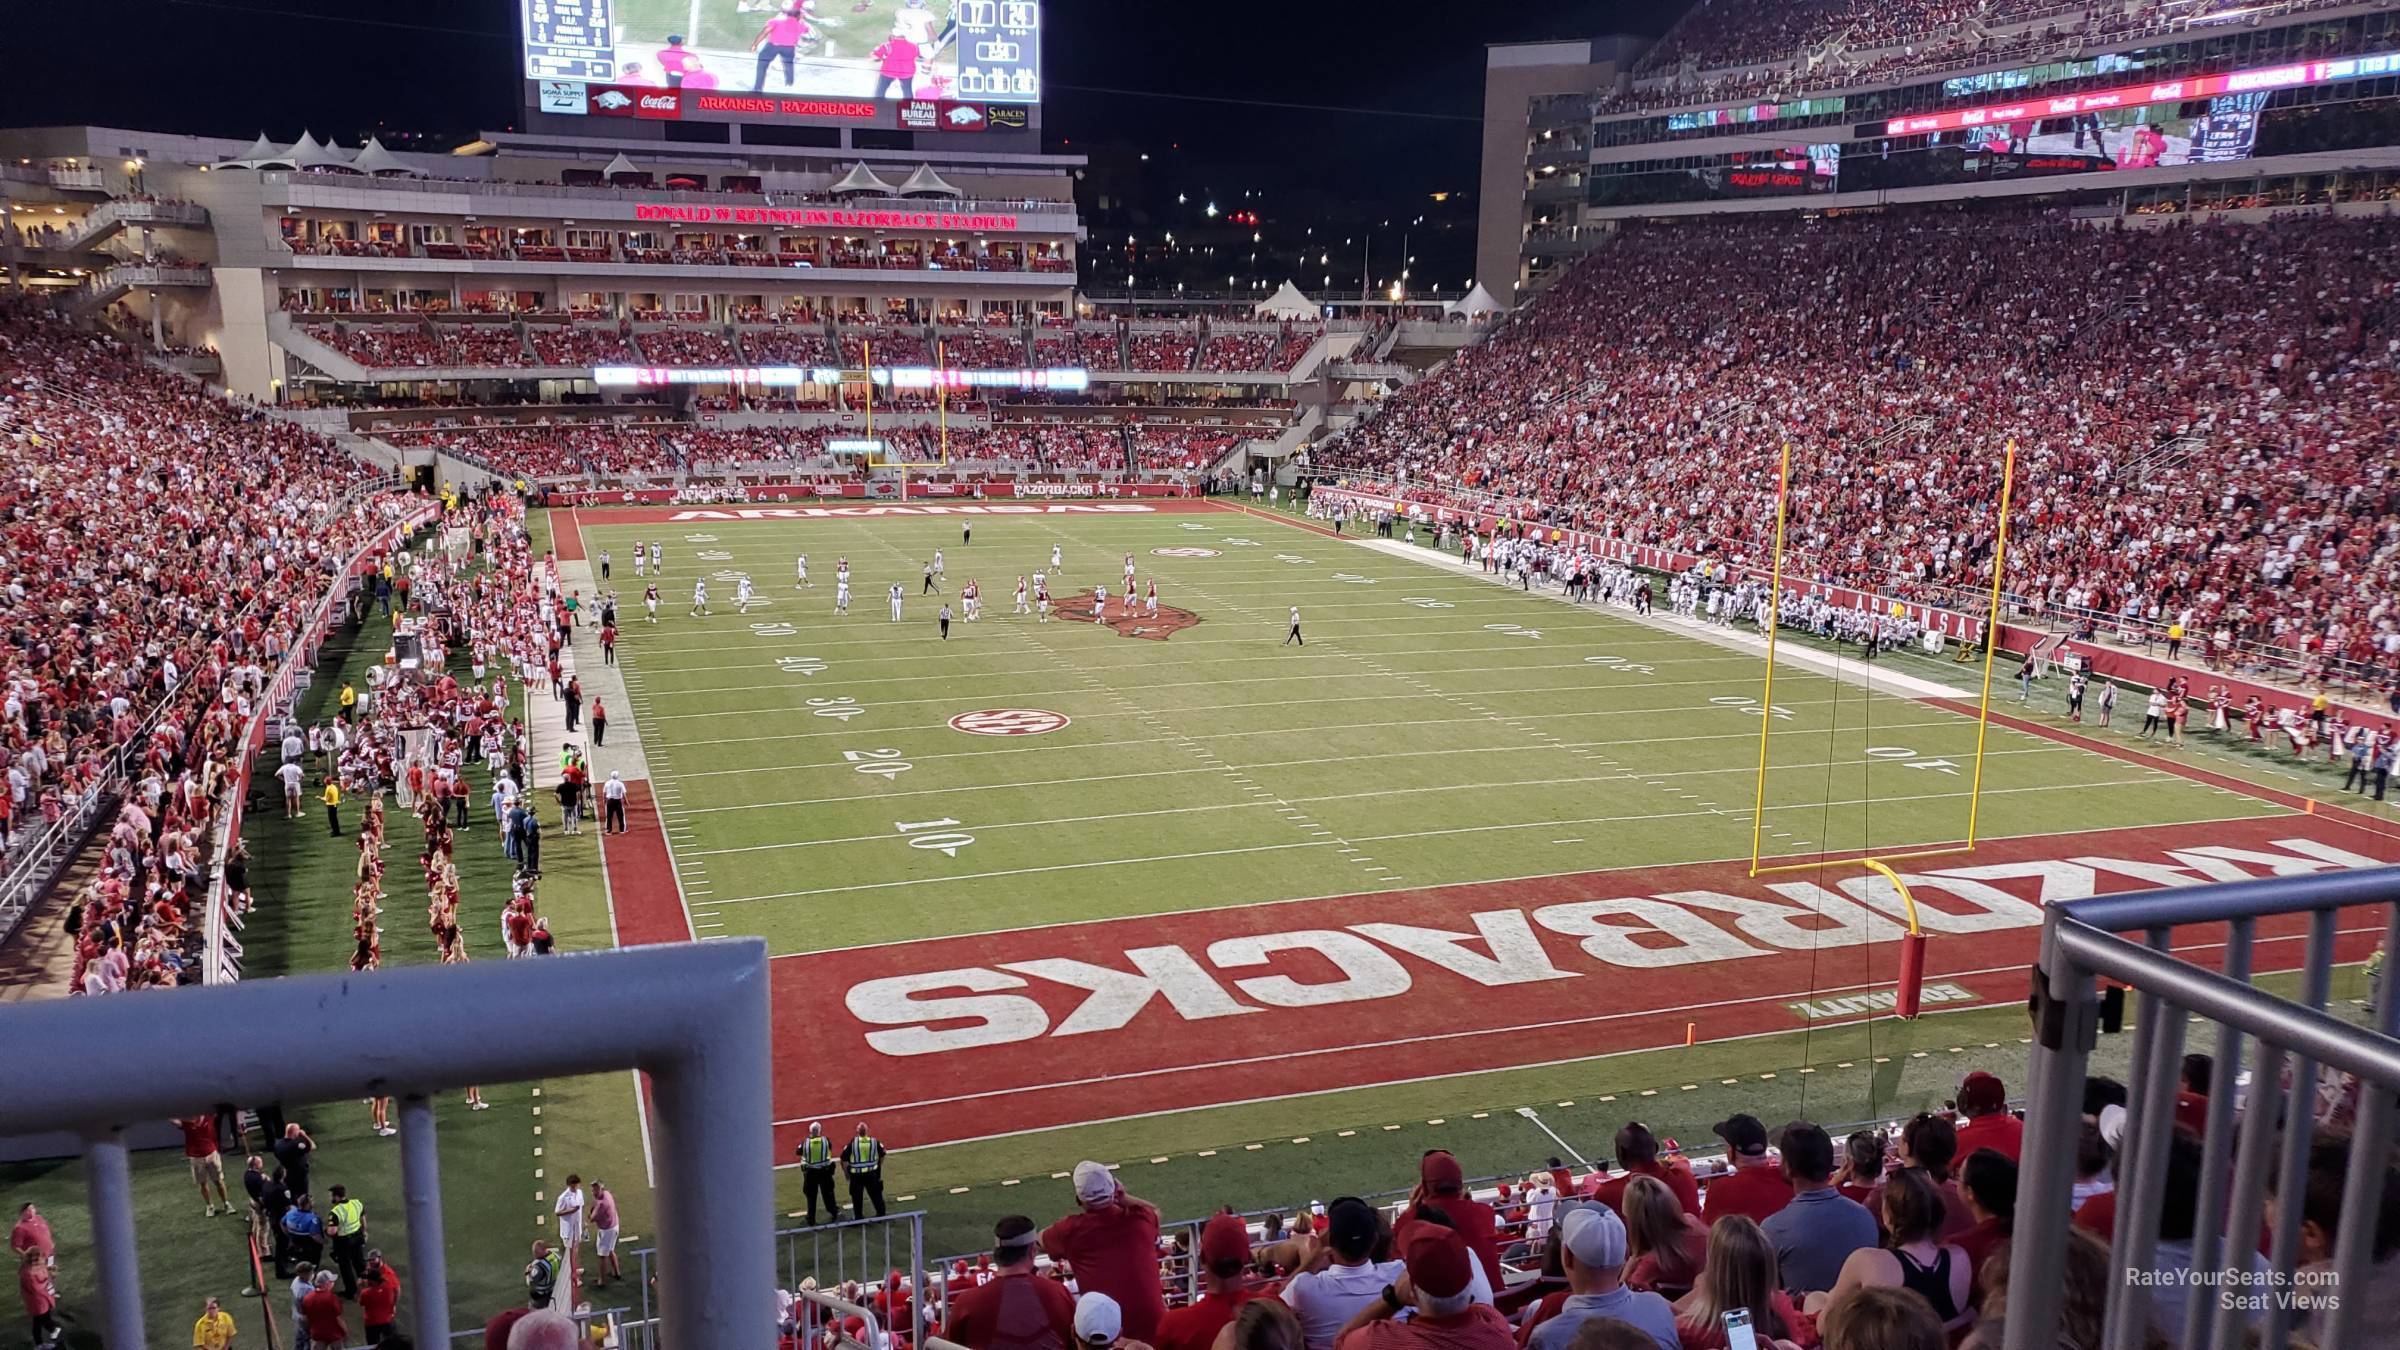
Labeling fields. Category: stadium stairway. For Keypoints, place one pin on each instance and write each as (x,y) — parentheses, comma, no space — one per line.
(546,727)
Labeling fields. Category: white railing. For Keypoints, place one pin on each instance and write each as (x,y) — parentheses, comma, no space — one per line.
(567,192)
(702,1037)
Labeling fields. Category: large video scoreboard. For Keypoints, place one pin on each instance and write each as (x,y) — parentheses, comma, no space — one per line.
(922,65)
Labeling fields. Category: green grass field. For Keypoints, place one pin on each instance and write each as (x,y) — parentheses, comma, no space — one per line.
(1438,729)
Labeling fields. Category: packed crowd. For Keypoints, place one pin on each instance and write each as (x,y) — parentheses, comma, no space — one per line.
(888,346)
(136,668)
(685,344)
(482,344)
(981,348)
(1159,447)
(2200,414)
(1888,1238)
(579,344)
(382,346)
(1162,349)
(598,449)
(786,345)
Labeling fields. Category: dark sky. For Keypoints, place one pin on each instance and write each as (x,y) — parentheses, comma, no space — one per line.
(447,68)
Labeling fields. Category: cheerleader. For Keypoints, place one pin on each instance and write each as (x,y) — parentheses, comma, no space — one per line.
(2218,703)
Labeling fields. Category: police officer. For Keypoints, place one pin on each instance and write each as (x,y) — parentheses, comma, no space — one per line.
(816,1172)
(346,1220)
(862,1162)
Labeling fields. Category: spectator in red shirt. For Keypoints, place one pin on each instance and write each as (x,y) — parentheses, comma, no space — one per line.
(35,1286)
(32,1233)
(1988,1183)
(1111,1242)
(321,1313)
(2191,1098)
(1015,1309)
(208,1167)
(1637,1154)
(1438,1288)
(1225,1278)
(378,1298)
(1442,1185)
(1984,1102)
(1755,1187)
(1664,1246)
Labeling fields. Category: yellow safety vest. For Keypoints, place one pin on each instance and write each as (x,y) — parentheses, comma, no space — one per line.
(348,1217)
(862,1152)
(818,1152)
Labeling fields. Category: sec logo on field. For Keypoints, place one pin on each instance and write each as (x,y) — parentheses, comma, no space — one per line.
(1009,722)
(1187,553)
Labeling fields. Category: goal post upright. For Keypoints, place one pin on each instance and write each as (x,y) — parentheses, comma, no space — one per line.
(1766,712)
(1911,977)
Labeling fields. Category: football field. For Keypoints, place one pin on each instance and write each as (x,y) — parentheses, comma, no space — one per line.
(1044,874)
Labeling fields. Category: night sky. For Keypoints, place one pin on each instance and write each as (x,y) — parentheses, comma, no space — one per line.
(447,68)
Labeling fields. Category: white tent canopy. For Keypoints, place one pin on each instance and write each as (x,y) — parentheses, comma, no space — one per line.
(374,159)
(308,154)
(924,182)
(863,180)
(1286,303)
(262,154)
(1474,304)
(619,167)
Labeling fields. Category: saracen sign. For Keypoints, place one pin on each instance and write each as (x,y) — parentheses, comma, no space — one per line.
(969,1036)
(823,217)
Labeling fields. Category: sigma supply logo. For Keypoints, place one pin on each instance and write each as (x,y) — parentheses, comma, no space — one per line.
(564,97)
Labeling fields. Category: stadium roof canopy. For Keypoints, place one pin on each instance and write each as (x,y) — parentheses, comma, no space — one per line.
(307,153)
(262,154)
(1287,303)
(374,159)
(1475,303)
(924,182)
(863,179)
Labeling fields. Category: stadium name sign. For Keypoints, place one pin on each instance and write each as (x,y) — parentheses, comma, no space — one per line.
(823,217)
(1313,967)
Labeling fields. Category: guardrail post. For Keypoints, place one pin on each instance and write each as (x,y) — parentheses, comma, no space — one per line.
(711,1194)
(108,1190)
(2065,1026)
(2208,1233)
(421,1200)
(2299,1122)
(2362,1188)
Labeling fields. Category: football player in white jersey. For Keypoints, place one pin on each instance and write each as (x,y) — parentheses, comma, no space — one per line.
(700,598)
(1022,607)
(800,581)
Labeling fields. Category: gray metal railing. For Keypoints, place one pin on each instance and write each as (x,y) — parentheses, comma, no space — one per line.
(830,1255)
(2296,1041)
(702,1038)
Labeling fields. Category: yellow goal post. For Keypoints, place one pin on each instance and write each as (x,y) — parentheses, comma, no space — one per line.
(1912,956)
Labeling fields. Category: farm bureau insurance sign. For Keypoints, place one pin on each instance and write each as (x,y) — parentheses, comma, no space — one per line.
(823,217)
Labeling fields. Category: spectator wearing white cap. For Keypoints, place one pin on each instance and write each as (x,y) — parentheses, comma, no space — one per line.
(1111,1244)
(1594,1259)
(1100,1324)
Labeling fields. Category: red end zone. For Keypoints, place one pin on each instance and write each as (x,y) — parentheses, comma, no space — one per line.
(974,1036)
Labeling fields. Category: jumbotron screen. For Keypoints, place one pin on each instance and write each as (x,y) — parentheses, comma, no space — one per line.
(927,64)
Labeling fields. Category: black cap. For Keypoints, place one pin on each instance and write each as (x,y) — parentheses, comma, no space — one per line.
(1351,1225)
(1742,1134)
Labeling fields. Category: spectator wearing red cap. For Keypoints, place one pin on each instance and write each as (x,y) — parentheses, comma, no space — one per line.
(1984,1102)
(1755,1187)
(1593,1243)
(1111,1242)
(1638,1155)
(1438,1288)
(1225,1281)
(1015,1309)
(1442,1185)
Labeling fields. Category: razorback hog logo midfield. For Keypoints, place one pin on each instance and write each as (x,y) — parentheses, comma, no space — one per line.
(1078,1022)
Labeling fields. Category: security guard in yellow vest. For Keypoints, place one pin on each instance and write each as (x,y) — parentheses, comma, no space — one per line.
(346,1220)
(816,1172)
(862,1162)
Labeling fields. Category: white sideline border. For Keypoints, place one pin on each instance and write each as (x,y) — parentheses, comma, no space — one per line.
(1866,675)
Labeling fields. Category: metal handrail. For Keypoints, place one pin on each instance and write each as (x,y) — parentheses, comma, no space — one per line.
(485,187)
(2087,940)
